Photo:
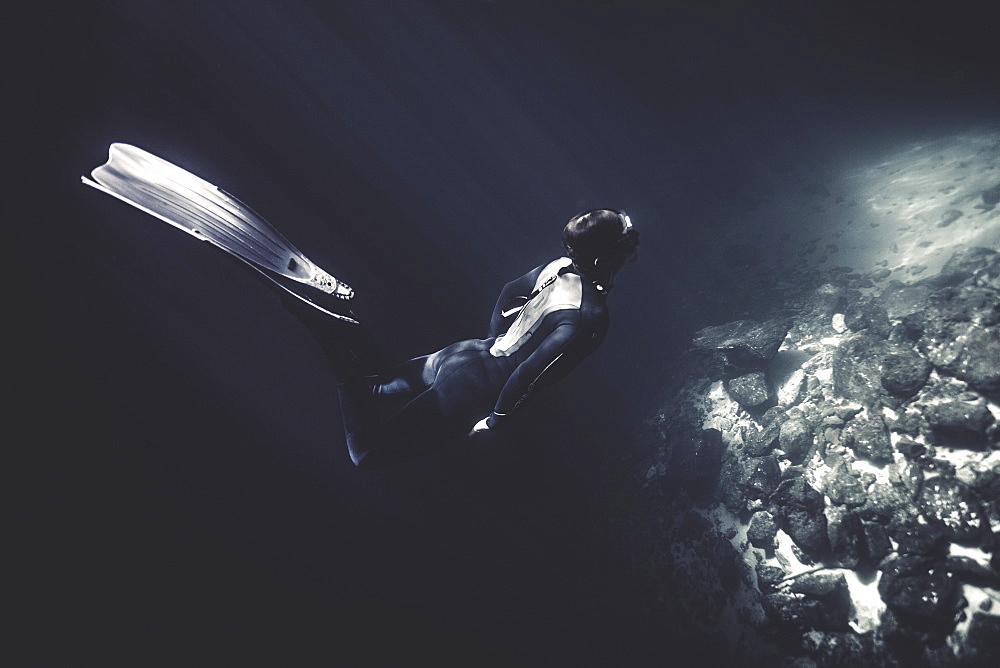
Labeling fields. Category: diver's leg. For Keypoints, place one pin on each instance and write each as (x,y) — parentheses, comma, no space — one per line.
(347,346)
(417,429)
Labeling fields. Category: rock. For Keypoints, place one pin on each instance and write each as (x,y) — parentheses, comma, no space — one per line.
(803,612)
(949,217)
(960,416)
(790,392)
(910,448)
(834,648)
(798,509)
(820,585)
(802,556)
(790,472)
(901,300)
(952,506)
(747,478)
(983,477)
(869,438)
(843,488)
(817,600)
(774,415)
(971,571)
(868,314)
(763,476)
(856,373)
(907,477)
(768,576)
(900,644)
(740,346)
(881,275)
(826,300)
(750,390)
(695,459)
(845,413)
(885,501)
(982,642)
(762,530)
(958,331)
(875,545)
(965,264)
(903,373)
(921,592)
(795,438)
(920,539)
(762,442)
(843,528)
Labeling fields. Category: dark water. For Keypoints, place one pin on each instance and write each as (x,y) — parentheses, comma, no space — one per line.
(188,487)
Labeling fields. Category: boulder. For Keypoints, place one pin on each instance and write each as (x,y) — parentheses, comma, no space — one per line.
(818,600)
(762,476)
(695,459)
(826,300)
(745,478)
(869,438)
(875,545)
(762,442)
(913,537)
(921,592)
(768,576)
(964,264)
(960,416)
(959,333)
(798,509)
(856,372)
(953,507)
(750,390)
(844,488)
(901,299)
(795,438)
(870,314)
(904,372)
(843,528)
(884,502)
(833,648)
(762,530)
(738,347)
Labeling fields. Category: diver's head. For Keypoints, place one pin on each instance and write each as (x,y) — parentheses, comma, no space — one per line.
(600,241)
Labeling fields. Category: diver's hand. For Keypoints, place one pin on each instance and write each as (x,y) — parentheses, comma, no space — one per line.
(481,426)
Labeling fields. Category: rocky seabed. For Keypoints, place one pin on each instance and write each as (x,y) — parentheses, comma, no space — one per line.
(841,466)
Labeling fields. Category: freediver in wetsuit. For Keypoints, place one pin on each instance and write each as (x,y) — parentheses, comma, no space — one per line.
(544,324)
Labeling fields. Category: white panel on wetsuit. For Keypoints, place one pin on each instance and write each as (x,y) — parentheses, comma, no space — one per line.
(565,292)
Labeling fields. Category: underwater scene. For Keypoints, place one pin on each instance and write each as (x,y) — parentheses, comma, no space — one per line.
(506,333)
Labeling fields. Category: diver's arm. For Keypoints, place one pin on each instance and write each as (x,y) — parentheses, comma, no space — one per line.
(530,372)
(519,287)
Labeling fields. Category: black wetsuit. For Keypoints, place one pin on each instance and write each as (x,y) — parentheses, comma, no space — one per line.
(430,399)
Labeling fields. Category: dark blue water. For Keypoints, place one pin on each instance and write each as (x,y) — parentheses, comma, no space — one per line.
(192,486)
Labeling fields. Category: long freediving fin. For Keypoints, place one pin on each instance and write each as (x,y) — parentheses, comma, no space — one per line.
(207,212)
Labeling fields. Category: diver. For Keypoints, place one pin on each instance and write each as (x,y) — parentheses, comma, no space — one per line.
(543,325)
